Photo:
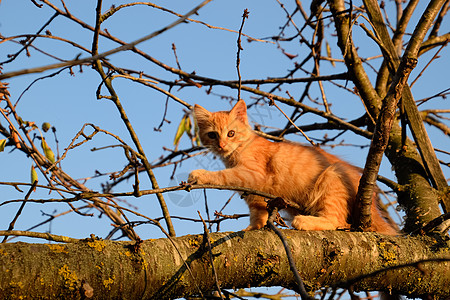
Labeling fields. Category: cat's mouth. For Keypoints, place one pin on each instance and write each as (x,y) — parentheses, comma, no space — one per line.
(223,152)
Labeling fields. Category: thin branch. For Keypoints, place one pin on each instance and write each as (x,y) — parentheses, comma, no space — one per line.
(211,258)
(273,211)
(238,57)
(293,124)
(117,8)
(270,80)
(435,56)
(124,47)
(30,41)
(13,222)
(356,70)
(114,97)
(89,195)
(434,42)
(439,19)
(39,235)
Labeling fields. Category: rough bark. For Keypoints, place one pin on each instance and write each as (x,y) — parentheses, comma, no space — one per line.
(414,165)
(154,269)
(417,198)
(379,143)
(352,60)
(429,159)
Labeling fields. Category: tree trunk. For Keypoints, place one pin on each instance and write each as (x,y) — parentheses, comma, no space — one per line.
(154,269)
(414,172)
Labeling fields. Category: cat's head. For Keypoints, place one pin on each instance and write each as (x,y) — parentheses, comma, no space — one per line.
(223,132)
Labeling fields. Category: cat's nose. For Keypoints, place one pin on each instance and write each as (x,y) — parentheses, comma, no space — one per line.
(222,145)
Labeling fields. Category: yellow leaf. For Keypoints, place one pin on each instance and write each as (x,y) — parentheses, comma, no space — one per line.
(34,176)
(181,129)
(196,134)
(2,145)
(188,126)
(47,151)
(329,54)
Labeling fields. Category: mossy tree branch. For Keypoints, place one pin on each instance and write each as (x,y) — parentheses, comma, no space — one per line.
(154,269)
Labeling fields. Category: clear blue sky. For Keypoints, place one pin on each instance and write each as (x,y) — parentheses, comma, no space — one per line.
(67,102)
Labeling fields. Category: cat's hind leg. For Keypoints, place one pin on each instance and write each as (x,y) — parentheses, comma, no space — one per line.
(258,212)
(302,222)
(328,202)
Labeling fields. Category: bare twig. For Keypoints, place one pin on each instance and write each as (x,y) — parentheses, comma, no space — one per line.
(95,195)
(293,124)
(238,58)
(435,56)
(107,53)
(273,211)
(30,41)
(11,225)
(117,8)
(39,235)
(211,258)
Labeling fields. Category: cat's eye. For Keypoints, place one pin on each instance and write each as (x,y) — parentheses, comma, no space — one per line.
(231,133)
(212,135)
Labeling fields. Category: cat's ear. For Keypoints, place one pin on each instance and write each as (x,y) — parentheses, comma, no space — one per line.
(239,111)
(201,114)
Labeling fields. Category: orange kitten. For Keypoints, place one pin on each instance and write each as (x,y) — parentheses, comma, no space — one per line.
(321,184)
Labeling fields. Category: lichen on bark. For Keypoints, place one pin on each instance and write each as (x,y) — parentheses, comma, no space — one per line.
(157,271)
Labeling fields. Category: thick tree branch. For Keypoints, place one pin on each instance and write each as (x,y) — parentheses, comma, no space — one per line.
(417,128)
(379,143)
(353,62)
(387,114)
(153,269)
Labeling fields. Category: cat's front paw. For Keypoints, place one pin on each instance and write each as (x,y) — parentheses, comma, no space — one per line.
(198,177)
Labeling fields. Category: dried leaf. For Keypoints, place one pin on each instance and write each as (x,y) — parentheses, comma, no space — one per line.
(32,125)
(15,137)
(289,55)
